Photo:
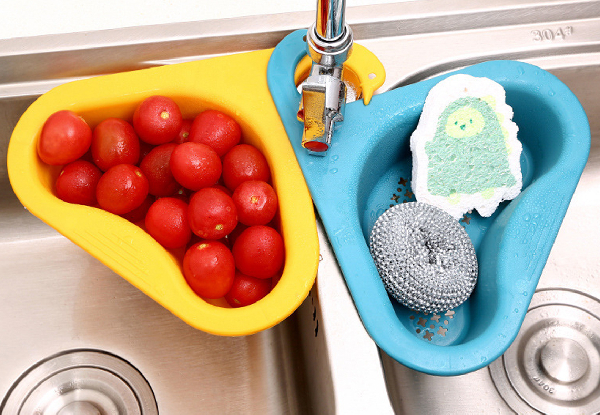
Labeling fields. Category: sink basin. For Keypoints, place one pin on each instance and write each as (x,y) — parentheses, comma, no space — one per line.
(57,301)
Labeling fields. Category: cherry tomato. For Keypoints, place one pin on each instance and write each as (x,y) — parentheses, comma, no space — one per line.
(275,280)
(114,142)
(167,222)
(184,133)
(195,239)
(157,169)
(145,149)
(233,235)
(182,194)
(157,120)
(65,137)
(244,162)
(139,213)
(256,202)
(77,183)
(247,290)
(217,130)
(259,251)
(223,188)
(212,213)
(195,166)
(122,188)
(209,269)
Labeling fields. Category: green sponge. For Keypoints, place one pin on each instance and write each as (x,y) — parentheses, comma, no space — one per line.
(465,147)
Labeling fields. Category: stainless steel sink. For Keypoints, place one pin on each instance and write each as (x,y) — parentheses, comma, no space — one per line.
(61,310)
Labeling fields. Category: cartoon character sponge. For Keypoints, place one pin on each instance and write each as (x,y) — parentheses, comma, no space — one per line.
(465,148)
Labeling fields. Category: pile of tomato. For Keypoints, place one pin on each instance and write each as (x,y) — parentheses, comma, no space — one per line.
(191,183)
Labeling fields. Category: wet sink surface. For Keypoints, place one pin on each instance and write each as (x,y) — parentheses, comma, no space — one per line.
(56,298)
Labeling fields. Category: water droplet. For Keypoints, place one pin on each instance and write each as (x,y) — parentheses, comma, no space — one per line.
(333,171)
(521,70)
(551,93)
(335,157)
(526,218)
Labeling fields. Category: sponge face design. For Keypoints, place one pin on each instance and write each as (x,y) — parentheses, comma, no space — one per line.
(465,148)
(468,152)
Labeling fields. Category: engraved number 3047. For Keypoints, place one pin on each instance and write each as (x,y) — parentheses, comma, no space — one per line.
(550,34)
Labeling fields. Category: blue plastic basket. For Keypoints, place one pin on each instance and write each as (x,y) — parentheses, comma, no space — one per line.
(368,169)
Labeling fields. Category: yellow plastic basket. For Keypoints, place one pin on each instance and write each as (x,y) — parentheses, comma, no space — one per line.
(236,85)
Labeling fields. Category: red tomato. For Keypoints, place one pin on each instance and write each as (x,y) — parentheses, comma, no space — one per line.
(209,269)
(157,169)
(195,239)
(244,162)
(157,120)
(259,251)
(167,222)
(195,166)
(184,133)
(77,183)
(247,290)
(256,202)
(145,149)
(114,142)
(223,188)
(122,188)
(217,130)
(212,213)
(275,280)
(65,138)
(233,235)
(139,213)
(182,194)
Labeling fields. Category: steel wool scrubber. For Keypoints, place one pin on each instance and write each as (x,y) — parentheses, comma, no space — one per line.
(424,256)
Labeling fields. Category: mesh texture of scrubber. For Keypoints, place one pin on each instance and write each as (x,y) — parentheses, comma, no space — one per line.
(424,256)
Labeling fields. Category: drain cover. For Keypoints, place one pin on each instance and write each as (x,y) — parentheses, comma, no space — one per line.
(553,366)
(82,382)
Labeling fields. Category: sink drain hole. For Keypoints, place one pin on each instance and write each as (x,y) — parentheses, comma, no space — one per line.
(553,366)
(84,382)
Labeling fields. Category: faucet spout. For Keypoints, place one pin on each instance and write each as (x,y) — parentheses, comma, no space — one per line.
(321,106)
(329,41)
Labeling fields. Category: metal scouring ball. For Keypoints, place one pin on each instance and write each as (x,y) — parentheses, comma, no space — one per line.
(424,256)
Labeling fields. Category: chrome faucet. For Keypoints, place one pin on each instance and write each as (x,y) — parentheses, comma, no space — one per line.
(329,41)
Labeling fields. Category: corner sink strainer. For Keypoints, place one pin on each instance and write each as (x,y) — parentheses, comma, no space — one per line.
(368,169)
(234,84)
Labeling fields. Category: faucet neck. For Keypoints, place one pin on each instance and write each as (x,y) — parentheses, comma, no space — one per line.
(330,19)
